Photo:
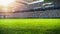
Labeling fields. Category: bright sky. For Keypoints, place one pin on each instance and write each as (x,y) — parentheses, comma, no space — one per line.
(5,2)
(13,5)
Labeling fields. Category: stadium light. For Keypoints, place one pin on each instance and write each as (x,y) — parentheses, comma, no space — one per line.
(5,2)
(5,5)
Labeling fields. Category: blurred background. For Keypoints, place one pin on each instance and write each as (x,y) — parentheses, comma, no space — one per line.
(29,8)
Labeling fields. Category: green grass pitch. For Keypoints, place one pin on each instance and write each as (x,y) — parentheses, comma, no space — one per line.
(29,26)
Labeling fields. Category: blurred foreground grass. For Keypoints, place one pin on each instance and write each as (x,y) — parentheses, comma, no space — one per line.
(29,26)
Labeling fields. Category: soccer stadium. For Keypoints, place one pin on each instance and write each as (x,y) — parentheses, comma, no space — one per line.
(30,9)
(29,16)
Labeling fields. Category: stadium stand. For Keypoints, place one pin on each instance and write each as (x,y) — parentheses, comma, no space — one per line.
(53,10)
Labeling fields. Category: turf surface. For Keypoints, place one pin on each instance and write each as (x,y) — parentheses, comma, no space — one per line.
(29,26)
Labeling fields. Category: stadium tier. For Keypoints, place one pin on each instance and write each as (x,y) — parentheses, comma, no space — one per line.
(36,10)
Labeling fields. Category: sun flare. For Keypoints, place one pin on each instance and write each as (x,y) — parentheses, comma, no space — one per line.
(5,5)
(5,2)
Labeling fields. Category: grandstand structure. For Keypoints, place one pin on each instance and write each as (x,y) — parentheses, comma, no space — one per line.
(35,9)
